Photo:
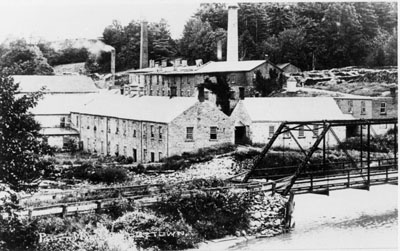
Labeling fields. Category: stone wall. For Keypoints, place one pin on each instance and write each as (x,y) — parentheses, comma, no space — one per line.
(201,117)
(268,215)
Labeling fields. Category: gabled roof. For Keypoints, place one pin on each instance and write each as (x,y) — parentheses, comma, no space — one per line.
(52,104)
(293,109)
(146,108)
(56,84)
(226,66)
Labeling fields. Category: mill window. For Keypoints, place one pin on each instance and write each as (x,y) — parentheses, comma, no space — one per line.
(271,131)
(213,132)
(383,108)
(301,131)
(160,133)
(189,133)
(363,109)
(152,131)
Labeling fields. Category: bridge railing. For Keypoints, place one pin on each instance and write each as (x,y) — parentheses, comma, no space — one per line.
(330,168)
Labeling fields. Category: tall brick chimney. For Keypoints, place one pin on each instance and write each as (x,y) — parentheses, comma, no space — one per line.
(113,66)
(144,51)
(232,54)
(219,50)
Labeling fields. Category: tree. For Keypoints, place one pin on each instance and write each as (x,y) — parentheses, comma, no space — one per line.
(200,40)
(265,86)
(20,143)
(21,58)
(126,41)
(221,89)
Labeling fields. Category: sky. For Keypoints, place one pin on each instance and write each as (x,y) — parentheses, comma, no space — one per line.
(61,19)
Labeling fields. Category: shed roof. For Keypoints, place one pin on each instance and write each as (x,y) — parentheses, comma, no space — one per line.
(146,108)
(56,84)
(293,109)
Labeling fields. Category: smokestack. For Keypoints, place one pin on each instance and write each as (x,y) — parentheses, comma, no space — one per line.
(219,50)
(113,66)
(233,39)
(144,56)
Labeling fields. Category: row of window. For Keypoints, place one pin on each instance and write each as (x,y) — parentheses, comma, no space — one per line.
(160,80)
(383,107)
(124,126)
(162,93)
(213,133)
(125,152)
(300,130)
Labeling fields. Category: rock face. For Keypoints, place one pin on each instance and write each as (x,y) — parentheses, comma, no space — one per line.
(267,214)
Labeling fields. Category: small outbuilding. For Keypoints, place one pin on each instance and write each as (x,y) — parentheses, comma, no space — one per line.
(289,68)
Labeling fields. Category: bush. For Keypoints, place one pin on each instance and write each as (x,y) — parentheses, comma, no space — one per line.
(119,208)
(138,169)
(108,175)
(80,172)
(146,222)
(129,160)
(212,214)
(16,234)
(381,143)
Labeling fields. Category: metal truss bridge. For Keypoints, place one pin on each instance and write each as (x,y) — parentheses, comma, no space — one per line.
(309,177)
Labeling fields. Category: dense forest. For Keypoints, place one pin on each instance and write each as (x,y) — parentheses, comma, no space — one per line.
(309,35)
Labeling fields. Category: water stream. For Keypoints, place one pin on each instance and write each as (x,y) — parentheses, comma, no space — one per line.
(345,220)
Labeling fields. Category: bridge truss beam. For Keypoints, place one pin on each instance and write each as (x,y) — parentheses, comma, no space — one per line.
(327,126)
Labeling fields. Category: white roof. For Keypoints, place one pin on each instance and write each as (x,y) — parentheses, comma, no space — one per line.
(56,84)
(146,108)
(293,109)
(224,66)
(52,104)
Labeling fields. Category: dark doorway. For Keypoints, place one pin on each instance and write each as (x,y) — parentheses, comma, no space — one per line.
(351,131)
(240,135)
(152,157)
(134,155)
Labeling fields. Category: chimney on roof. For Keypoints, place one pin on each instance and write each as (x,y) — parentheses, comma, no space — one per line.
(201,96)
(151,63)
(144,55)
(266,56)
(173,91)
(199,62)
(184,63)
(164,63)
(113,66)
(233,38)
(219,50)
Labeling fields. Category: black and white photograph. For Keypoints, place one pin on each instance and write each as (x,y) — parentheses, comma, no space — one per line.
(197,125)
